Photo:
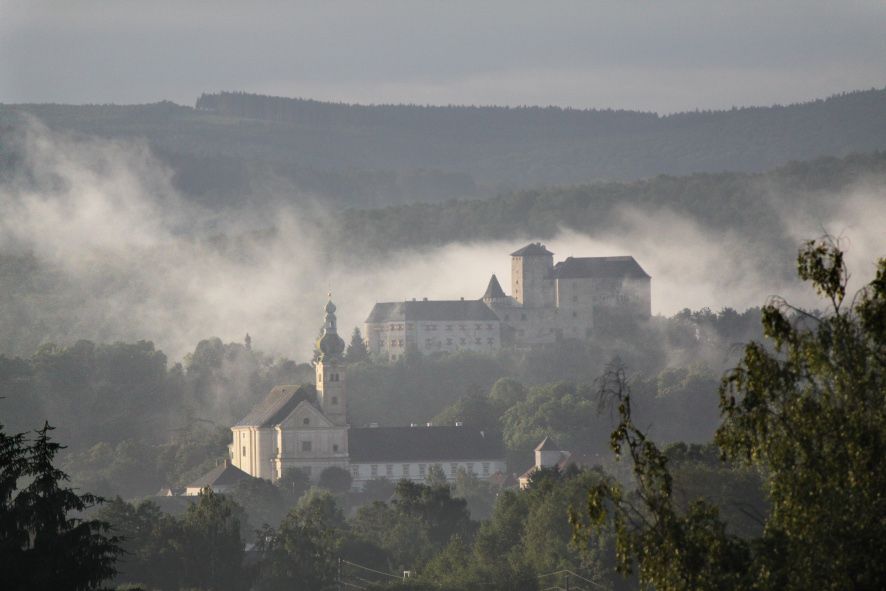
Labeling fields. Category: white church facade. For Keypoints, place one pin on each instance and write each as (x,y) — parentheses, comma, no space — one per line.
(306,427)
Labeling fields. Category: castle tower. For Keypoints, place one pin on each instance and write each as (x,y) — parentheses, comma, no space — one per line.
(531,283)
(330,371)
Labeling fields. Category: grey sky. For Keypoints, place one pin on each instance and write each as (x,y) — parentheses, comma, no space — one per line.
(663,56)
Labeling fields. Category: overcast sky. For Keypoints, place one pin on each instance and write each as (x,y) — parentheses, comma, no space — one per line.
(661,56)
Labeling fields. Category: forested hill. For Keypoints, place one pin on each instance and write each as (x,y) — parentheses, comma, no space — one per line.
(231,144)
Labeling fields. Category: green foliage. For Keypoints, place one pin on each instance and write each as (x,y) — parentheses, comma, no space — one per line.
(357,350)
(811,416)
(41,545)
(301,553)
(335,479)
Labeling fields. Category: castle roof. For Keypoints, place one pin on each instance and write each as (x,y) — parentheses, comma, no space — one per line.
(225,474)
(531,250)
(416,444)
(456,310)
(611,267)
(277,405)
(493,290)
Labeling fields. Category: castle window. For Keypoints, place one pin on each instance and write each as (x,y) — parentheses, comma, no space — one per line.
(448,341)
(373,470)
(470,468)
(334,400)
(355,471)
(244,450)
(461,326)
(453,469)
(478,341)
(306,421)
(575,298)
(306,446)
(389,470)
(490,341)
(421,470)
(334,447)
(488,327)
(478,326)
(575,314)
(405,469)
(485,468)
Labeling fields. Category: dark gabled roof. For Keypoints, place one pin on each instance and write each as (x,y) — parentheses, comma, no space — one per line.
(532,250)
(611,267)
(547,444)
(493,290)
(277,405)
(417,444)
(224,474)
(431,310)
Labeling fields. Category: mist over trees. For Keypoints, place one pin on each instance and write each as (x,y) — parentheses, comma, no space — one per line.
(370,156)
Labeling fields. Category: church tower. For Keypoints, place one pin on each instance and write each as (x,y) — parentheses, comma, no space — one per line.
(330,371)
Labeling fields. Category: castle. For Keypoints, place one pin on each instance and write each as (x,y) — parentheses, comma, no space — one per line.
(548,302)
(306,427)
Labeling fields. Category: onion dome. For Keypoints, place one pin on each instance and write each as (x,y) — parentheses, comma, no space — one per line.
(331,345)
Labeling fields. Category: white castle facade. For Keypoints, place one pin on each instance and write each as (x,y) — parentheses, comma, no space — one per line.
(548,302)
(306,427)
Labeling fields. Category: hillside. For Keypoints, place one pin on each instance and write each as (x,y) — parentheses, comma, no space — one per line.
(235,144)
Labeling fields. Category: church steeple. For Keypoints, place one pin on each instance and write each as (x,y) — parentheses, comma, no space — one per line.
(330,344)
(330,370)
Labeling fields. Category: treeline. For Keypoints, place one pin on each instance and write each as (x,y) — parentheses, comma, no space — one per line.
(134,422)
(234,145)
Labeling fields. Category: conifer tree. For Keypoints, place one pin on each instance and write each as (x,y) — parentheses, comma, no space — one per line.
(357,350)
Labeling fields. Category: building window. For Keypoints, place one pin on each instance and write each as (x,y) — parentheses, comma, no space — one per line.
(575,314)
(335,400)
(306,446)
(421,470)
(490,341)
(448,341)
(389,470)
(373,470)
(306,421)
(478,340)
(334,447)
(485,468)
(355,471)
(470,468)
(453,469)
(244,451)
(405,469)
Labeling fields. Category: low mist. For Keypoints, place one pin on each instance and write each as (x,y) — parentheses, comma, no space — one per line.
(122,256)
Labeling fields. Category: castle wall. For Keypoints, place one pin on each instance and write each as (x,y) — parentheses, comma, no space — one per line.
(393,339)
(530,285)
(417,471)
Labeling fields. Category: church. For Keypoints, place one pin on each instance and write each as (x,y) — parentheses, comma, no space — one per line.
(549,302)
(306,427)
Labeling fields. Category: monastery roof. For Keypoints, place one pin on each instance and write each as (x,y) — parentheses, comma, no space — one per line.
(493,290)
(416,444)
(431,310)
(534,249)
(225,474)
(614,267)
(277,405)
(547,444)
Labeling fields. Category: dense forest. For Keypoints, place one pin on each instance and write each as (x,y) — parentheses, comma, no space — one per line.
(234,145)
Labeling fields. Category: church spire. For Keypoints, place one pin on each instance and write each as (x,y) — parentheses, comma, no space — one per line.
(331,345)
